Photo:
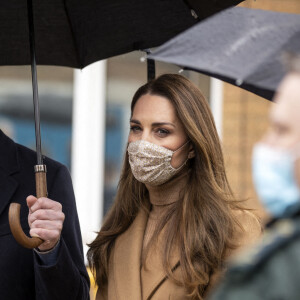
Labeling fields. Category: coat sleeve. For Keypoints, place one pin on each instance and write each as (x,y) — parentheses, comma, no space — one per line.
(67,278)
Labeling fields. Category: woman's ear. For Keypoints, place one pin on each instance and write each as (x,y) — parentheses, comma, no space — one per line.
(191,152)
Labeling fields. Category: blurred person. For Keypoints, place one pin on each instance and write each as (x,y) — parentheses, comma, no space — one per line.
(271,269)
(174,220)
(56,269)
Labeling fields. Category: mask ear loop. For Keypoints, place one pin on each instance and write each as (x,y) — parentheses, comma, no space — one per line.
(185,160)
(181,146)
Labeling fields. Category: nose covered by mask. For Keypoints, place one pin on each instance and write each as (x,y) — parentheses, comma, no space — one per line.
(274,180)
(151,163)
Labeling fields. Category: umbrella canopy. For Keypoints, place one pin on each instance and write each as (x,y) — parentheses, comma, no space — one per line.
(241,46)
(76,33)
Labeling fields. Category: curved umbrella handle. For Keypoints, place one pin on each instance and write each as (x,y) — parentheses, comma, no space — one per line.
(14,211)
(17,231)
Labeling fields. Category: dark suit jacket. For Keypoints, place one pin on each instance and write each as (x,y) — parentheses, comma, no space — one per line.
(22,274)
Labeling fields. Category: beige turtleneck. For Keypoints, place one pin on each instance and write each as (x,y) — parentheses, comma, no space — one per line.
(163,198)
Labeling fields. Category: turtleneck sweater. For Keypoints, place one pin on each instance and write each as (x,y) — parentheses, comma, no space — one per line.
(162,199)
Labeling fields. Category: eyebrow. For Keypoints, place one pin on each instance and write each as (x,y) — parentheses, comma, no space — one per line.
(153,124)
(135,121)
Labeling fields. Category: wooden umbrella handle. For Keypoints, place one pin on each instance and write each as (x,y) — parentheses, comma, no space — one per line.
(17,231)
(14,211)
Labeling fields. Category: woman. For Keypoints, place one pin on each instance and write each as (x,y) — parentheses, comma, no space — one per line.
(174,220)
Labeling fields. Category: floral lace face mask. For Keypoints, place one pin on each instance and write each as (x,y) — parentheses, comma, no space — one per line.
(150,163)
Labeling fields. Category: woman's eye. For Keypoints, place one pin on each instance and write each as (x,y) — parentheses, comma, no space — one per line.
(162,132)
(135,128)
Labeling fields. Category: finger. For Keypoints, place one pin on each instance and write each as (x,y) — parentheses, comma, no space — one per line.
(31,200)
(46,203)
(50,237)
(49,225)
(46,214)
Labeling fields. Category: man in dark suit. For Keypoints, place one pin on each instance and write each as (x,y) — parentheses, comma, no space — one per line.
(56,269)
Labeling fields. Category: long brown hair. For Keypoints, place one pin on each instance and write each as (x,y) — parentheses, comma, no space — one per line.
(202,223)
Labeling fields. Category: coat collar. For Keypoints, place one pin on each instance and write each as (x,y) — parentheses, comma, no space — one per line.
(127,263)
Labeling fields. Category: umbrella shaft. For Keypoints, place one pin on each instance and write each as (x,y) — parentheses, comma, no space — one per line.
(34,84)
(150,66)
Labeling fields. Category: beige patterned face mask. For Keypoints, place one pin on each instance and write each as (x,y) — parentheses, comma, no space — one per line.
(150,163)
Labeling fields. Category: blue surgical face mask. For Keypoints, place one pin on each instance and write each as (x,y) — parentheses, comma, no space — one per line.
(274,180)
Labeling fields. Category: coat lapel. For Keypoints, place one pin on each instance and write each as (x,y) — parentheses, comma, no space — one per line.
(126,264)
(127,260)
(8,166)
(8,186)
(153,274)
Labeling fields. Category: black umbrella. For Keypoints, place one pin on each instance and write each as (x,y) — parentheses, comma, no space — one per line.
(77,33)
(241,46)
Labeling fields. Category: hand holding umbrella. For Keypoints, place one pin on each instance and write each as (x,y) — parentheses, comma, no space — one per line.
(45,220)
(14,211)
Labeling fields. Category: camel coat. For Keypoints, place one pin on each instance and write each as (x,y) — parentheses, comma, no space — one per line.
(124,274)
